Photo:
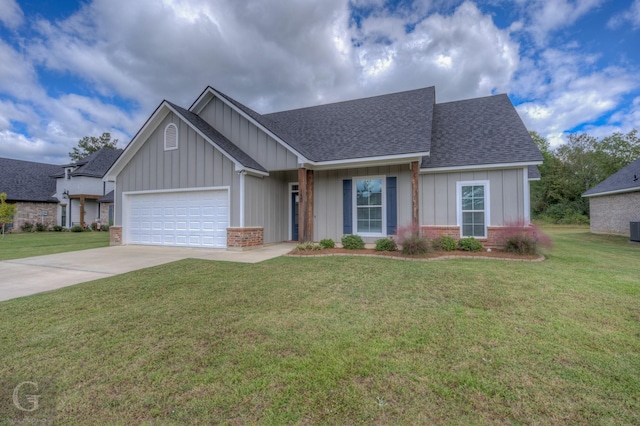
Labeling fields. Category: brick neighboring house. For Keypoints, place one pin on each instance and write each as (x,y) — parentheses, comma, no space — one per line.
(67,195)
(29,186)
(615,202)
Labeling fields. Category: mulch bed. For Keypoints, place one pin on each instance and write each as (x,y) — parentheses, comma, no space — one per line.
(434,255)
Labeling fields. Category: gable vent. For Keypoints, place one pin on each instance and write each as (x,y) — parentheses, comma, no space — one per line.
(171,137)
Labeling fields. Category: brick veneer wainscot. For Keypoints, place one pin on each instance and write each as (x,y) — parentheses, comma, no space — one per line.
(241,238)
(492,240)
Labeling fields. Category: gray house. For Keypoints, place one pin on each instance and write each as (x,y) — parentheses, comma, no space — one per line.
(28,185)
(82,193)
(219,174)
(615,202)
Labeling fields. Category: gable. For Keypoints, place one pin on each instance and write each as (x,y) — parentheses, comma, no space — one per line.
(241,161)
(250,138)
(195,162)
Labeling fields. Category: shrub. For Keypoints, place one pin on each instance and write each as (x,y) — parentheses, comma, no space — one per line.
(57,228)
(105,228)
(411,241)
(308,246)
(445,243)
(521,244)
(41,227)
(516,237)
(327,243)
(27,227)
(415,244)
(386,244)
(94,226)
(469,244)
(77,228)
(352,242)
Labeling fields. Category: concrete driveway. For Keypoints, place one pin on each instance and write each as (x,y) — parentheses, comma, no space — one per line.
(22,277)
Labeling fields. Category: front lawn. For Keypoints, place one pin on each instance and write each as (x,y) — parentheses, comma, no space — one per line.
(343,340)
(27,244)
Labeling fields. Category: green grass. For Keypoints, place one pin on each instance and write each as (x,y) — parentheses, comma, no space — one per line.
(344,340)
(27,244)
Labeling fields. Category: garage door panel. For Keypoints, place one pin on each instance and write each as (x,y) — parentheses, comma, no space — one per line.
(194,219)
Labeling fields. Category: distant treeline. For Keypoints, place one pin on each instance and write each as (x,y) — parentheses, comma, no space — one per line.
(574,167)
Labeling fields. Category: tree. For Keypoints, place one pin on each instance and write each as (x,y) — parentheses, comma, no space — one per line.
(7,212)
(90,144)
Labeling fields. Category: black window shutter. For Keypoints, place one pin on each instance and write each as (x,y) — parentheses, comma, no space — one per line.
(347,208)
(392,205)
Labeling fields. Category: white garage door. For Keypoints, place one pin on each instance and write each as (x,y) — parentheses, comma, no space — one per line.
(189,219)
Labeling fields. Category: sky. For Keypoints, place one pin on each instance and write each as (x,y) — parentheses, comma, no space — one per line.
(70,69)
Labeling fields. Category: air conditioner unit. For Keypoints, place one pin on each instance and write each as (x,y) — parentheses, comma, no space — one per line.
(635,232)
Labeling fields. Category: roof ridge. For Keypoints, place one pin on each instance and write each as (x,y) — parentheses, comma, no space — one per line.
(404,92)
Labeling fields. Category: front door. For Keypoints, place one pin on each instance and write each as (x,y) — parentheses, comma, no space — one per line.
(294,212)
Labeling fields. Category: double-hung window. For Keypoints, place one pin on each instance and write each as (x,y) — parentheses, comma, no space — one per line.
(473,208)
(369,206)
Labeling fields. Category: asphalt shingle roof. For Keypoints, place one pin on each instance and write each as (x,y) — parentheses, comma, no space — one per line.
(394,124)
(534,172)
(626,179)
(28,181)
(215,136)
(95,164)
(106,198)
(479,131)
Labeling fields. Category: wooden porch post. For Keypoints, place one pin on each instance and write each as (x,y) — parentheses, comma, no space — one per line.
(82,211)
(302,204)
(309,199)
(415,204)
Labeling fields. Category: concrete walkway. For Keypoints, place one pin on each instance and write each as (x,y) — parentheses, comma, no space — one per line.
(22,277)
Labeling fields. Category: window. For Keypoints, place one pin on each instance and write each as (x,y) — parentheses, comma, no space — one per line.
(170,137)
(473,208)
(369,206)
(63,215)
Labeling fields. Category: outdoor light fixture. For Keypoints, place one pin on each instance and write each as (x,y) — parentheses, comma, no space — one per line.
(65,194)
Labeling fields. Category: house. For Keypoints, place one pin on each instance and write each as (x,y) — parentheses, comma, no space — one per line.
(82,193)
(220,174)
(615,202)
(29,187)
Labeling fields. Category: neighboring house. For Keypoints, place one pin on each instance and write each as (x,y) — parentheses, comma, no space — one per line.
(81,190)
(222,175)
(615,202)
(28,185)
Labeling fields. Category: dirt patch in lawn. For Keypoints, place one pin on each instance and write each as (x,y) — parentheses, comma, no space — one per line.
(433,255)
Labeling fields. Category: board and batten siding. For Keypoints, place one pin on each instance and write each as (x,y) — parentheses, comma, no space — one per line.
(195,164)
(248,137)
(328,193)
(267,204)
(438,196)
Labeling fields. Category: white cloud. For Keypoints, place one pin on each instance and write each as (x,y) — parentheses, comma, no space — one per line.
(10,14)
(631,17)
(571,99)
(274,55)
(464,55)
(548,16)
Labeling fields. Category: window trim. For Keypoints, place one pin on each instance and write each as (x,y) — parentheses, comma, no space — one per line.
(165,137)
(383,206)
(487,204)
